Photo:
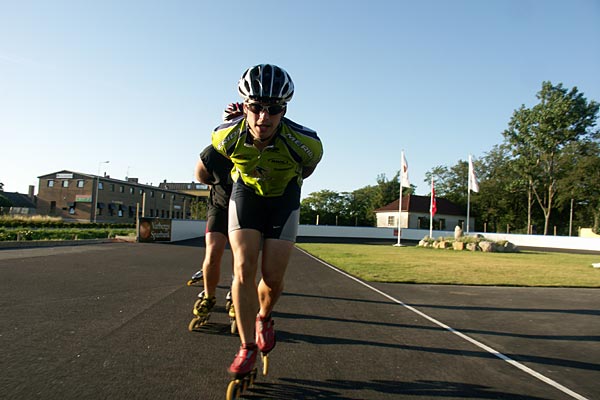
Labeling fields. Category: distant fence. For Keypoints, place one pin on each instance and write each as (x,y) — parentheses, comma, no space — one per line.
(189,229)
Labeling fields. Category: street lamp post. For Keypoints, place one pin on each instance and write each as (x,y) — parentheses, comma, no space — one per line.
(97,184)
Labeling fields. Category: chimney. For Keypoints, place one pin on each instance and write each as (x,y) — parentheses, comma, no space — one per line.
(31,192)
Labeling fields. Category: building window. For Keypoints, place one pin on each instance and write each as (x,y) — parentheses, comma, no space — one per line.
(141,192)
(65,184)
(131,190)
(50,182)
(122,189)
(72,210)
(112,187)
(391,220)
(100,185)
(152,193)
(80,183)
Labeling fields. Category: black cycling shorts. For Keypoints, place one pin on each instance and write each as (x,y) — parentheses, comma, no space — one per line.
(275,217)
(216,220)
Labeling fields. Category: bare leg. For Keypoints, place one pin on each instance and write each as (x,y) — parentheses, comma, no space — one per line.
(245,244)
(275,257)
(211,267)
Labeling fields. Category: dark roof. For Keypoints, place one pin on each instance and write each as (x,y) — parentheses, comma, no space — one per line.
(420,204)
(18,199)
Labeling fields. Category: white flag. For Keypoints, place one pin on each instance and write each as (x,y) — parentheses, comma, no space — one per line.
(473,184)
(404,173)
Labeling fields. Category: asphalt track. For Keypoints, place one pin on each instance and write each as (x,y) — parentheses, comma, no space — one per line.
(109,321)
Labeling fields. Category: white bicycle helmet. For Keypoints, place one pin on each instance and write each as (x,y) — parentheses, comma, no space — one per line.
(266,82)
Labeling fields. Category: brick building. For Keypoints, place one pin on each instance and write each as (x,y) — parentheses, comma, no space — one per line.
(74,196)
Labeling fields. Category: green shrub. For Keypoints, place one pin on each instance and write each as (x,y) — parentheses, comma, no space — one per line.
(63,234)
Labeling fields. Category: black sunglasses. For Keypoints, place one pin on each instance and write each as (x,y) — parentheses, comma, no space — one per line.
(257,108)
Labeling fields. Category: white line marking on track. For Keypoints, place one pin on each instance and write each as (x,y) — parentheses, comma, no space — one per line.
(490,350)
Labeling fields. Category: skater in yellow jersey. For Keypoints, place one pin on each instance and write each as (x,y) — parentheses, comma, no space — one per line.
(271,155)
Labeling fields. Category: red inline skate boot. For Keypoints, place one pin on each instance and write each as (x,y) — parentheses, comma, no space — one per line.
(243,363)
(265,334)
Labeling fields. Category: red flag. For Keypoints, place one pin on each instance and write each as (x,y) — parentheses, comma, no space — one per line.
(433,204)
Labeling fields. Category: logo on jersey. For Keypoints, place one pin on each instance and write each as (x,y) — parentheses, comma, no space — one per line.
(299,143)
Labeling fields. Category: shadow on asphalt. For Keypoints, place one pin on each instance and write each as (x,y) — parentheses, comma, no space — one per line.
(290,337)
(588,338)
(336,298)
(329,389)
(505,309)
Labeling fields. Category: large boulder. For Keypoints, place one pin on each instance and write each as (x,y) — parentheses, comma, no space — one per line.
(510,248)
(458,246)
(458,232)
(486,247)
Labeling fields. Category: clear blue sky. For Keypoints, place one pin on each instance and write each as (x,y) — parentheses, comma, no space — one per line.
(143,83)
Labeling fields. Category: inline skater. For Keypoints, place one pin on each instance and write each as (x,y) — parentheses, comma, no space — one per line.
(271,156)
(215,170)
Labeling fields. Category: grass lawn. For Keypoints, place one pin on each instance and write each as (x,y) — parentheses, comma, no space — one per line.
(408,264)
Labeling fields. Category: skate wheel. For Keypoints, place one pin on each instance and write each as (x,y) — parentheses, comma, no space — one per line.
(233,327)
(252,376)
(265,364)
(193,324)
(190,282)
(234,390)
(197,306)
(227,306)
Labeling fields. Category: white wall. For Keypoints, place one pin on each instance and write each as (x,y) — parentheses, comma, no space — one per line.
(182,229)
(188,229)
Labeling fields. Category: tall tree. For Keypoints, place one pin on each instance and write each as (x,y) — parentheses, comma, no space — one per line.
(499,203)
(538,136)
(326,205)
(580,186)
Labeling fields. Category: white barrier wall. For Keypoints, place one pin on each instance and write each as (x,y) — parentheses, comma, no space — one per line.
(189,229)
(183,229)
(554,242)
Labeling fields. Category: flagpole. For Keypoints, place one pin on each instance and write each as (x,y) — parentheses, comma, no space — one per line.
(431,211)
(403,180)
(399,215)
(468,207)
(468,193)
(400,200)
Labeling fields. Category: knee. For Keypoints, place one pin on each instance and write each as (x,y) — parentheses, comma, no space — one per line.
(245,272)
(273,282)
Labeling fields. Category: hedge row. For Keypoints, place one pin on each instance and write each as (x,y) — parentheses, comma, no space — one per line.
(62,234)
(35,224)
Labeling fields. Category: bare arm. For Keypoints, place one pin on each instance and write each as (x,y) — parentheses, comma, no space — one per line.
(202,174)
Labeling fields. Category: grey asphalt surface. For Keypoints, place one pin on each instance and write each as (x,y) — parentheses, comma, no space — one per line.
(109,321)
